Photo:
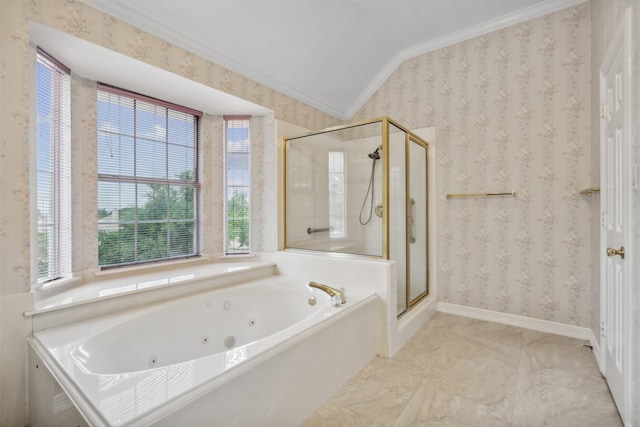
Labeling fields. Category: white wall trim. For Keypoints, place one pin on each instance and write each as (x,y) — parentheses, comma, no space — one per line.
(540,325)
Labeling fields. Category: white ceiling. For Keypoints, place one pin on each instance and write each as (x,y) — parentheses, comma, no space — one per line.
(332,55)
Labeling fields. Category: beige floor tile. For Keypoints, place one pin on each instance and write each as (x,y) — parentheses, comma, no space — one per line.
(508,339)
(550,404)
(419,355)
(458,371)
(547,351)
(433,406)
(560,384)
(332,415)
(394,374)
(367,398)
(471,383)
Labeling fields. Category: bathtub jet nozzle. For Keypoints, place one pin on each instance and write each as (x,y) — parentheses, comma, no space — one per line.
(337,297)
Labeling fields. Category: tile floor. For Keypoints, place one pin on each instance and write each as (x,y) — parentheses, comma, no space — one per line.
(458,371)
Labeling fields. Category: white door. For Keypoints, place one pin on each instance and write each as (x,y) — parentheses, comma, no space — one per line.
(615,183)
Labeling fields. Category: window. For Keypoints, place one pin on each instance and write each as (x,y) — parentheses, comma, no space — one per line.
(53,169)
(148,179)
(237,185)
(337,203)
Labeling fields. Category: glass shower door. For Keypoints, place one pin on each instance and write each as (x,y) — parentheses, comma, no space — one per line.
(417,222)
(397,234)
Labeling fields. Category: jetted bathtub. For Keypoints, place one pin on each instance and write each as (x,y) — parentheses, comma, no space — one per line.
(262,353)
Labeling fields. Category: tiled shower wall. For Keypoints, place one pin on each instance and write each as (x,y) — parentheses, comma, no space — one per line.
(512,112)
(308,199)
(358,176)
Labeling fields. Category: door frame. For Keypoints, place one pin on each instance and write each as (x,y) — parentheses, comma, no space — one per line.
(621,41)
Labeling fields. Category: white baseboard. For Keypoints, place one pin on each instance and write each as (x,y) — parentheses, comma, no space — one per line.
(540,325)
(595,343)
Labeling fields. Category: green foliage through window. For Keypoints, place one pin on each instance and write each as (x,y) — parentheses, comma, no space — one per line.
(148,182)
(238,185)
(238,221)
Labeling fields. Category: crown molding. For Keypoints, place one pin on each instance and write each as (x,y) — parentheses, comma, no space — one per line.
(544,8)
(119,9)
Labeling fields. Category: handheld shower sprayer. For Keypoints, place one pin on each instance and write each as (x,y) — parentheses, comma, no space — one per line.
(373,156)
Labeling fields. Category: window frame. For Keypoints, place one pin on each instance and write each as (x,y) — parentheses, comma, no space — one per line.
(59,160)
(227,120)
(136,180)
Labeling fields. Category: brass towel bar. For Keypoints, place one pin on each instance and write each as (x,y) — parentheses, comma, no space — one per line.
(456,196)
(589,191)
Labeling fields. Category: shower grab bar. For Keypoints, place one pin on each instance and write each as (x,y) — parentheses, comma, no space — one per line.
(455,196)
(317,230)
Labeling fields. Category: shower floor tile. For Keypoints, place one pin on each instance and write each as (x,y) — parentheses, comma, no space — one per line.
(458,371)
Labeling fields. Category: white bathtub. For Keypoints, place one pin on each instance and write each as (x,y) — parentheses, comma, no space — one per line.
(234,356)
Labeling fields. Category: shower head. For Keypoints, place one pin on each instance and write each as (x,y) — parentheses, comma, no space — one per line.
(375,155)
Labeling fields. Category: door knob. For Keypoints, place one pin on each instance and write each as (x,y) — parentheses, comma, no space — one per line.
(613,252)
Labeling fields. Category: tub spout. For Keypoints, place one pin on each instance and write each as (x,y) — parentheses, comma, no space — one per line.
(332,293)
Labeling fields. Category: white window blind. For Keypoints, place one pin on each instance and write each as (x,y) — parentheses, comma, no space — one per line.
(237,185)
(148,179)
(53,168)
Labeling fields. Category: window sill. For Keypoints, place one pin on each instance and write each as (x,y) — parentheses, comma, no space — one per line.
(59,285)
(151,267)
(237,256)
(192,273)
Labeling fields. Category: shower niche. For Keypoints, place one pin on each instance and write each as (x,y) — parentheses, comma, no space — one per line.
(361,189)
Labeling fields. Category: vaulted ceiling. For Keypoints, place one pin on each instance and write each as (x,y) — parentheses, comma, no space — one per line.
(331,54)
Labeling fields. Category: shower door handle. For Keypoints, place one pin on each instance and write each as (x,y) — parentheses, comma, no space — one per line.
(412,238)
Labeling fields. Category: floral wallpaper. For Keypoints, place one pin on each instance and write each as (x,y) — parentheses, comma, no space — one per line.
(264,215)
(512,111)
(17,68)
(84,167)
(83,21)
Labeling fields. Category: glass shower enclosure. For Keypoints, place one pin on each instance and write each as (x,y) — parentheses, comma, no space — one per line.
(361,189)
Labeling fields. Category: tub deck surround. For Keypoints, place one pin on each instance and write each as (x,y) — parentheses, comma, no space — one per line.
(100,290)
(136,367)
